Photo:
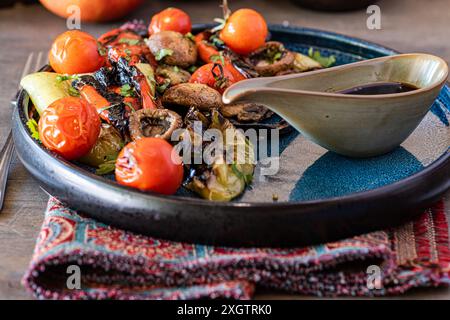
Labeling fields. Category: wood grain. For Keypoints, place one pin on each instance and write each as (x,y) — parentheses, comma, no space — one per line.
(24,29)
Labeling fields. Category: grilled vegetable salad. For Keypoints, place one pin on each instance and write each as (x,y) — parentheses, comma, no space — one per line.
(113,103)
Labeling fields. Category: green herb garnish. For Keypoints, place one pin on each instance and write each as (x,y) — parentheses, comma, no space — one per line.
(128,54)
(73,92)
(163,53)
(101,49)
(218,43)
(126,91)
(190,36)
(324,61)
(162,87)
(64,77)
(131,42)
(33,126)
(276,57)
(192,69)
(218,57)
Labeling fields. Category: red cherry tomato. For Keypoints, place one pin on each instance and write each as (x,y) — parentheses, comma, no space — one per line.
(75,52)
(214,75)
(170,19)
(207,52)
(245,31)
(149,165)
(70,127)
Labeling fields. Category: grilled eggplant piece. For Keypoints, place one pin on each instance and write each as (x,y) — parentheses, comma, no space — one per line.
(246,112)
(195,95)
(270,59)
(109,105)
(223,181)
(173,48)
(107,77)
(158,123)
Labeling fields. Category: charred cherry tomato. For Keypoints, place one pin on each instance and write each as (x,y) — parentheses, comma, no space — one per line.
(148,164)
(118,36)
(75,52)
(70,127)
(208,52)
(214,75)
(245,31)
(170,19)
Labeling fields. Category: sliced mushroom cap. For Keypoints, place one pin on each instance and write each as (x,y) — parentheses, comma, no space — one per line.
(246,112)
(158,123)
(173,48)
(270,59)
(195,95)
(174,74)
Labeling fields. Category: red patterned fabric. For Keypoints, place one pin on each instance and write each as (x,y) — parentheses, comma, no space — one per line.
(115,264)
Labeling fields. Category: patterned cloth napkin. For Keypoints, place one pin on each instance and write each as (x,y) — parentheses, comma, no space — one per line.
(115,264)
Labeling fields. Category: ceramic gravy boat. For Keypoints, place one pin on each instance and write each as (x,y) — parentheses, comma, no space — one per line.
(349,124)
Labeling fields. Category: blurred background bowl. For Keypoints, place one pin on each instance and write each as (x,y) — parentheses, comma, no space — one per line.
(335,5)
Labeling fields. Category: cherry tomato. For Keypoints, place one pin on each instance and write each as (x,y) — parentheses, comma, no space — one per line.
(207,52)
(149,165)
(170,19)
(75,52)
(70,127)
(214,75)
(245,31)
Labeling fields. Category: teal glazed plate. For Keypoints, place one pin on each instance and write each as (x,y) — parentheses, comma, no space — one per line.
(321,196)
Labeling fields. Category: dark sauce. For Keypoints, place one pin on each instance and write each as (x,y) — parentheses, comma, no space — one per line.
(379,88)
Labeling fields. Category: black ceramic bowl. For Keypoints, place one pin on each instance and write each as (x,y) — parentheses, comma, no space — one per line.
(335,5)
(291,223)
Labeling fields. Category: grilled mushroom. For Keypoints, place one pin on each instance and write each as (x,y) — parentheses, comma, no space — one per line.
(159,123)
(272,58)
(173,48)
(195,95)
(173,74)
(246,112)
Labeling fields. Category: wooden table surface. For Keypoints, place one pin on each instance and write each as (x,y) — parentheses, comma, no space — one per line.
(407,25)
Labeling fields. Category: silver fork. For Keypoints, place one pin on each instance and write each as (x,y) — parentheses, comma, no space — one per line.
(32,64)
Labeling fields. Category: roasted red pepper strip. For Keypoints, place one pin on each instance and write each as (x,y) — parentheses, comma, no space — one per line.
(126,44)
(91,95)
(205,50)
(146,94)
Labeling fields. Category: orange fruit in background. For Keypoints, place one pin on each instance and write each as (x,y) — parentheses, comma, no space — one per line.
(93,10)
